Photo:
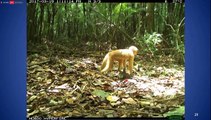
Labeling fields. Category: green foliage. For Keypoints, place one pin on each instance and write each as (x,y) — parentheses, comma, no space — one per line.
(118,8)
(178,112)
(123,11)
(101,94)
(152,40)
(123,7)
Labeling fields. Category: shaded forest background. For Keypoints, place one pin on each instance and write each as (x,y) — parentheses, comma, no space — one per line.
(156,28)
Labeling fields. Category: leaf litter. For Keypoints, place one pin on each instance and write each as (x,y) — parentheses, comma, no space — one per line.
(74,87)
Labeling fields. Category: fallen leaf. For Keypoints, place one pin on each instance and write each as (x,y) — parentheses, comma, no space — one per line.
(32,98)
(129,100)
(64,86)
(100,93)
(112,98)
(115,103)
(70,100)
(65,78)
(32,113)
(144,103)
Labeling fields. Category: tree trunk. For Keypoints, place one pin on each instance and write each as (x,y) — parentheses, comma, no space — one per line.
(41,21)
(150,17)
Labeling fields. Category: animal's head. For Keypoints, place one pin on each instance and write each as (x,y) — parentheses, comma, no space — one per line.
(134,49)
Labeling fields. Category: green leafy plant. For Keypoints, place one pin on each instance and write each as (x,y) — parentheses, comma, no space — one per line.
(100,93)
(152,40)
(176,113)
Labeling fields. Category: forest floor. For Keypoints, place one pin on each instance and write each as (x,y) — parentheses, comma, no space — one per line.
(74,87)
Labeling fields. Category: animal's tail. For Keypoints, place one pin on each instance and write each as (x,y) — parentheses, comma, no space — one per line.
(105,64)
